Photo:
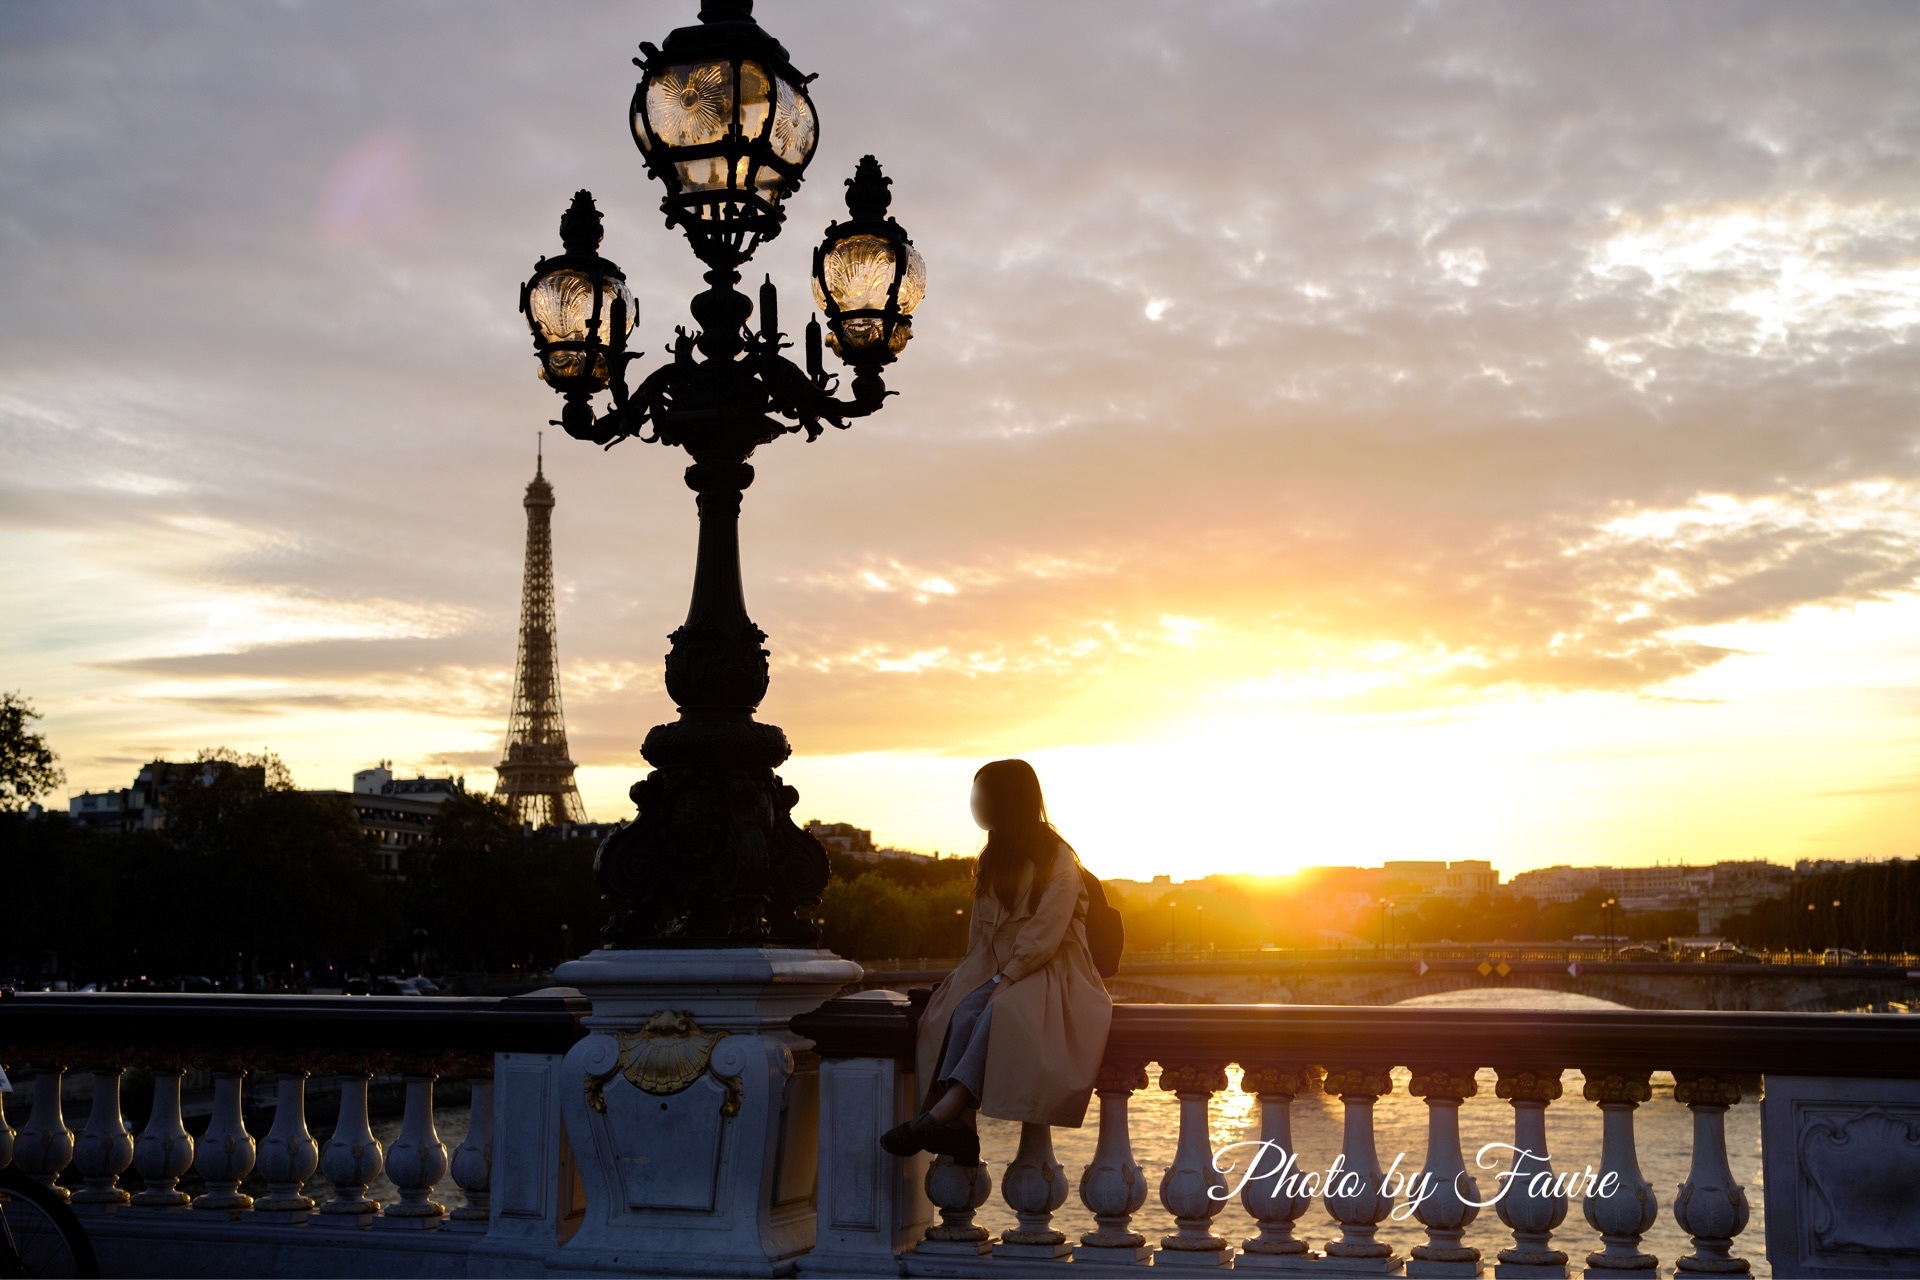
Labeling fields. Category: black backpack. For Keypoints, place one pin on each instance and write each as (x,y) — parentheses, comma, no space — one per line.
(1105,933)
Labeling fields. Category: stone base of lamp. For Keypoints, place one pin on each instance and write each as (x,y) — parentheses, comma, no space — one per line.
(692,1110)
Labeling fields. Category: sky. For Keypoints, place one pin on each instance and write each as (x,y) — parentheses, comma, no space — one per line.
(1333,433)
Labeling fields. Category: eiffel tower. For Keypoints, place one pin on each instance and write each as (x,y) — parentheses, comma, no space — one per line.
(536,770)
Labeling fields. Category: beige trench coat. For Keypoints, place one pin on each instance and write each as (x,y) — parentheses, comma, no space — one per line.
(1049,1028)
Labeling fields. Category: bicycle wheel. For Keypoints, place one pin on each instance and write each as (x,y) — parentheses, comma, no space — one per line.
(39,1235)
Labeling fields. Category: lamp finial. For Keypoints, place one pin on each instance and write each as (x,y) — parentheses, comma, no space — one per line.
(580,228)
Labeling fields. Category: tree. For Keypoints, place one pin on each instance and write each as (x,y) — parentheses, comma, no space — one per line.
(27,768)
(285,872)
(274,774)
(490,896)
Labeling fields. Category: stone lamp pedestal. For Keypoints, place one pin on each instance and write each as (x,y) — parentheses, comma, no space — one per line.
(693,1111)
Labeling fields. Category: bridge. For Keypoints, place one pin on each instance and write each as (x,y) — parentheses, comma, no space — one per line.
(1335,978)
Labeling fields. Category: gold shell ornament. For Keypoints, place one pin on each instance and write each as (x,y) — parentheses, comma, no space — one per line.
(665,1056)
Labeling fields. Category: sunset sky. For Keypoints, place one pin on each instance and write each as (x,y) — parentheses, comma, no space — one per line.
(1333,432)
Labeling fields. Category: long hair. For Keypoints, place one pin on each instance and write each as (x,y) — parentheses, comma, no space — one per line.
(1019,832)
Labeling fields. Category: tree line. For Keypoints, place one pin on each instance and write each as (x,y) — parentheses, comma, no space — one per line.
(252,876)
(1869,907)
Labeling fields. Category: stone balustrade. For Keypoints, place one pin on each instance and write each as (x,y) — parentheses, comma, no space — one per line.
(155,1227)
(1840,1099)
(1842,1146)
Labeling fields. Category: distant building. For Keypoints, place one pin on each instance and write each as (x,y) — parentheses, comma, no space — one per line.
(1716,892)
(841,837)
(143,806)
(1734,888)
(1654,888)
(594,831)
(1821,866)
(856,843)
(1458,880)
(397,812)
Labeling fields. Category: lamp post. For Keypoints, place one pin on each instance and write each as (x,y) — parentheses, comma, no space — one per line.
(725,122)
(715,947)
(1607,907)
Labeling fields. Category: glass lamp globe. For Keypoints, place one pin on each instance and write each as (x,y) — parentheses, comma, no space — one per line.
(867,276)
(725,123)
(578,306)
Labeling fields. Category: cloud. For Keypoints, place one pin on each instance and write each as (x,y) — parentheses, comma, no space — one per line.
(1359,337)
(313,659)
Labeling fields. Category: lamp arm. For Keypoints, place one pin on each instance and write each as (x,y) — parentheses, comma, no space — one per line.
(631,410)
(793,393)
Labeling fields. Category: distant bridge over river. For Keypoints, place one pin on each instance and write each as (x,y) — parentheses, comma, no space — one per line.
(1359,979)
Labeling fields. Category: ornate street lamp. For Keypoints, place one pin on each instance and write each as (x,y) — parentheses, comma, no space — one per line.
(724,121)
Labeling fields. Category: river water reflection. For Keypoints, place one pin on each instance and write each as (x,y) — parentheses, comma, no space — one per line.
(1663,1131)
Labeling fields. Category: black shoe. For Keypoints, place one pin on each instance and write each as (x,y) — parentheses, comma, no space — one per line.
(908,1138)
(961,1141)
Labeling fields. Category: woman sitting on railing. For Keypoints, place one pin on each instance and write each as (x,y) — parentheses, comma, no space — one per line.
(1027,977)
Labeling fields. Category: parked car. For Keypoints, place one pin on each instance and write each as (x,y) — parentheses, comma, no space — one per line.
(356,987)
(1728,953)
(1639,953)
(1840,955)
(388,984)
(423,985)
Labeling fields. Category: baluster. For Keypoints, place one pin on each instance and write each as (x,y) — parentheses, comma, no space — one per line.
(473,1160)
(1623,1216)
(417,1160)
(1452,1196)
(352,1157)
(1034,1185)
(1272,1195)
(288,1154)
(1186,1186)
(1113,1186)
(105,1147)
(165,1149)
(1358,1199)
(956,1190)
(45,1145)
(1531,1203)
(1711,1206)
(224,1155)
